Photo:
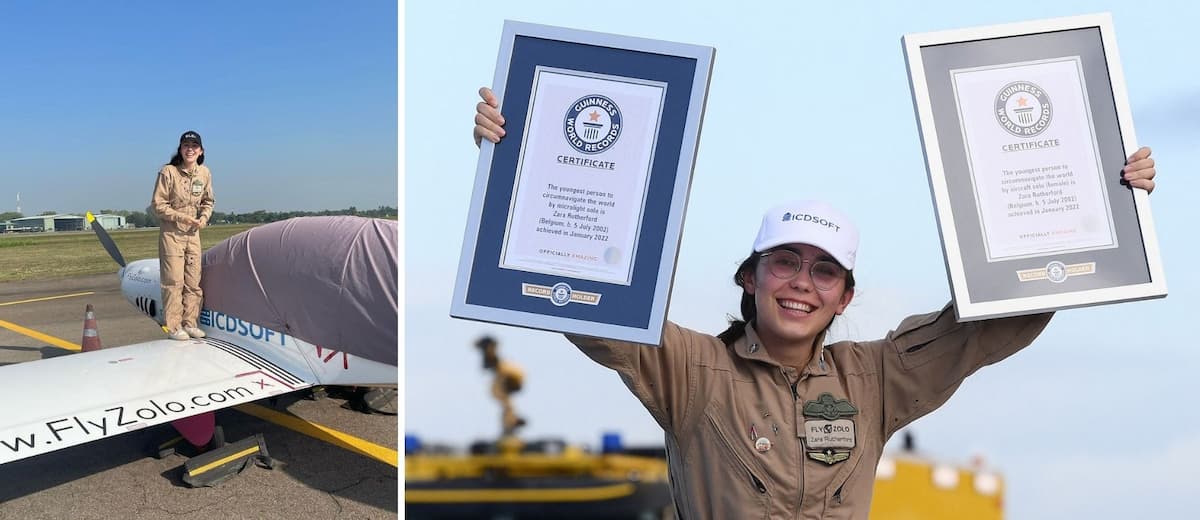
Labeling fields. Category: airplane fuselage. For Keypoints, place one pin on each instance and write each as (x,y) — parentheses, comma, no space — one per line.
(331,364)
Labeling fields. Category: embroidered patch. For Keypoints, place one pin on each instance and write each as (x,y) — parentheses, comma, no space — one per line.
(197,186)
(829,434)
(829,457)
(829,408)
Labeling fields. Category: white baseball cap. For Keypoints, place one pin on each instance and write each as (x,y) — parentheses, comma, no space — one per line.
(809,222)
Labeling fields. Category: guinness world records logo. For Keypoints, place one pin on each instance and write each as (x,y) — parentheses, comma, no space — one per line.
(1023,109)
(1056,272)
(560,294)
(592,124)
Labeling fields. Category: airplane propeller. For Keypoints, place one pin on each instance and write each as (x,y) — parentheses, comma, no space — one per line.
(106,240)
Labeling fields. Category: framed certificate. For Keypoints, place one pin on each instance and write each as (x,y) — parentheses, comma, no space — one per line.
(576,214)
(1025,129)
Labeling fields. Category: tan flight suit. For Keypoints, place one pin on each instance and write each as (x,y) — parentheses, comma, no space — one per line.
(179,194)
(748,437)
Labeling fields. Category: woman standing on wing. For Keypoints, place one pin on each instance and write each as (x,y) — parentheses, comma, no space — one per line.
(183,203)
(766,421)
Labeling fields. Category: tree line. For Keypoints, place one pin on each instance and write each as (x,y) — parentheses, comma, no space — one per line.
(147,219)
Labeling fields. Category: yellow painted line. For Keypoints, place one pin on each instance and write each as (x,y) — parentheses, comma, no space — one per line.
(48,298)
(324,433)
(39,336)
(218,462)
(444,496)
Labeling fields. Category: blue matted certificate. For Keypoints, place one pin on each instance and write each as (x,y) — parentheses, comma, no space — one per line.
(576,214)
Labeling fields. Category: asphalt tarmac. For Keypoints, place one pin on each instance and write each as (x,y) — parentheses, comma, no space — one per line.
(118,478)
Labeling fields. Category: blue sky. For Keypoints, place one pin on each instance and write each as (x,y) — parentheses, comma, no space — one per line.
(1094,420)
(296,101)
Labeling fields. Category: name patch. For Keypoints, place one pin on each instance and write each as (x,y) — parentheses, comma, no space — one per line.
(829,434)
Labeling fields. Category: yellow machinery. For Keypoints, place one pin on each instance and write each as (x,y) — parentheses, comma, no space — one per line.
(908,487)
(514,479)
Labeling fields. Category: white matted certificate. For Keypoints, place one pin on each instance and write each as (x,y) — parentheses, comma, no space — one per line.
(1038,186)
(1025,129)
(581,177)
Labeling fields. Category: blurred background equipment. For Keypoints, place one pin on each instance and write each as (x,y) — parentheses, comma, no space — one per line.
(513,479)
(911,485)
(507,381)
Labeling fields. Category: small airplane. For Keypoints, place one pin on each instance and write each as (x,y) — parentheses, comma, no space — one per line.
(287,306)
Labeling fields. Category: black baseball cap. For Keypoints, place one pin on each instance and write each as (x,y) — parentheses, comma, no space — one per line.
(190,136)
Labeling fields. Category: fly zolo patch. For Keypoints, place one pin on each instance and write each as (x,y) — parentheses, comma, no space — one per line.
(828,431)
(829,434)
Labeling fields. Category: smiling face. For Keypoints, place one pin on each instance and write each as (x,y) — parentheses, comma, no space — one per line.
(791,312)
(190,151)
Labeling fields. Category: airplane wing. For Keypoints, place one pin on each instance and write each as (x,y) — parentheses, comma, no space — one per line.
(79,398)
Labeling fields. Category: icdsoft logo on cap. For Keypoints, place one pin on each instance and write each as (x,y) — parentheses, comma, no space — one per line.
(592,124)
(809,222)
(816,219)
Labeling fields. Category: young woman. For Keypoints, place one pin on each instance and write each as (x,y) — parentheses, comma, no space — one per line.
(183,203)
(766,421)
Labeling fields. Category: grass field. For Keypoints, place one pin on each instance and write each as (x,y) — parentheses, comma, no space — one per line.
(44,256)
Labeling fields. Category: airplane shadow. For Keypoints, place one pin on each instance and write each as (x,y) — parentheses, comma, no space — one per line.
(27,476)
(318,465)
(47,352)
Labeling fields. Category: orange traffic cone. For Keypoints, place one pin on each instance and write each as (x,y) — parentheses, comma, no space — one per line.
(91,336)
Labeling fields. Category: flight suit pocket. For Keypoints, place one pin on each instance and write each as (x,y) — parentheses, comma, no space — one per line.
(825,485)
(913,338)
(840,501)
(746,491)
